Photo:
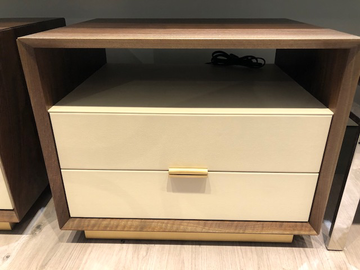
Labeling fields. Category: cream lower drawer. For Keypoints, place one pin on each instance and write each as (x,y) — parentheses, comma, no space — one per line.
(5,201)
(262,143)
(220,196)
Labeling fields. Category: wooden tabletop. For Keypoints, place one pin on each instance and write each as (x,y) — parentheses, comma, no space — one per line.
(192,33)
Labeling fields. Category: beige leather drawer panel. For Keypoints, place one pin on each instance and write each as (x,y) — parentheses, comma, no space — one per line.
(267,143)
(220,196)
(5,201)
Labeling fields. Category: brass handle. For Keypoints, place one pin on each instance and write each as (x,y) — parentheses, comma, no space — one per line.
(188,172)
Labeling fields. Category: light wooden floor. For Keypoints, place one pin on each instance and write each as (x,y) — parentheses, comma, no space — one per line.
(37,243)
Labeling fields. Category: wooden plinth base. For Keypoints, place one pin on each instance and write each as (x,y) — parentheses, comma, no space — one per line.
(6,226)
(278,238)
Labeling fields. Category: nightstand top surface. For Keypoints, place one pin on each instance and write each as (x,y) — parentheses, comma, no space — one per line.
(192,33)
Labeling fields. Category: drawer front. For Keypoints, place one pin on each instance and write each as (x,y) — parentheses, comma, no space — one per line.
(5,201)
(275,143)
(220,196)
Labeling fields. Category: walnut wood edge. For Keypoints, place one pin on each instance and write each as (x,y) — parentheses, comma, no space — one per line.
(45,71)
(227,237)
(189,226)
(211,43)
(38,102)
(331,76)
(344,103)
(8,216)
(193,33)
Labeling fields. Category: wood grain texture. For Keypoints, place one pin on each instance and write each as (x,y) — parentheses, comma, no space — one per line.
(331,76)
(193,33)
(8,216)
(20,150)
(191,226)
(232,237)
(51,74)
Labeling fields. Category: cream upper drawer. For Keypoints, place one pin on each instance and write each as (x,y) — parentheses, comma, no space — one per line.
(151,118)
(221,196)
(5,201)
(219,143)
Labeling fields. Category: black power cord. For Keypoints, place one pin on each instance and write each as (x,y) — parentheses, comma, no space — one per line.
(221,58)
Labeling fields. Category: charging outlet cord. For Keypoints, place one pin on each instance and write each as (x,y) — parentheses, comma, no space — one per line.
(221,58)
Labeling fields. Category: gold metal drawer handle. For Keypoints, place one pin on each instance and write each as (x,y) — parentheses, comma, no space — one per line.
(188,172)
